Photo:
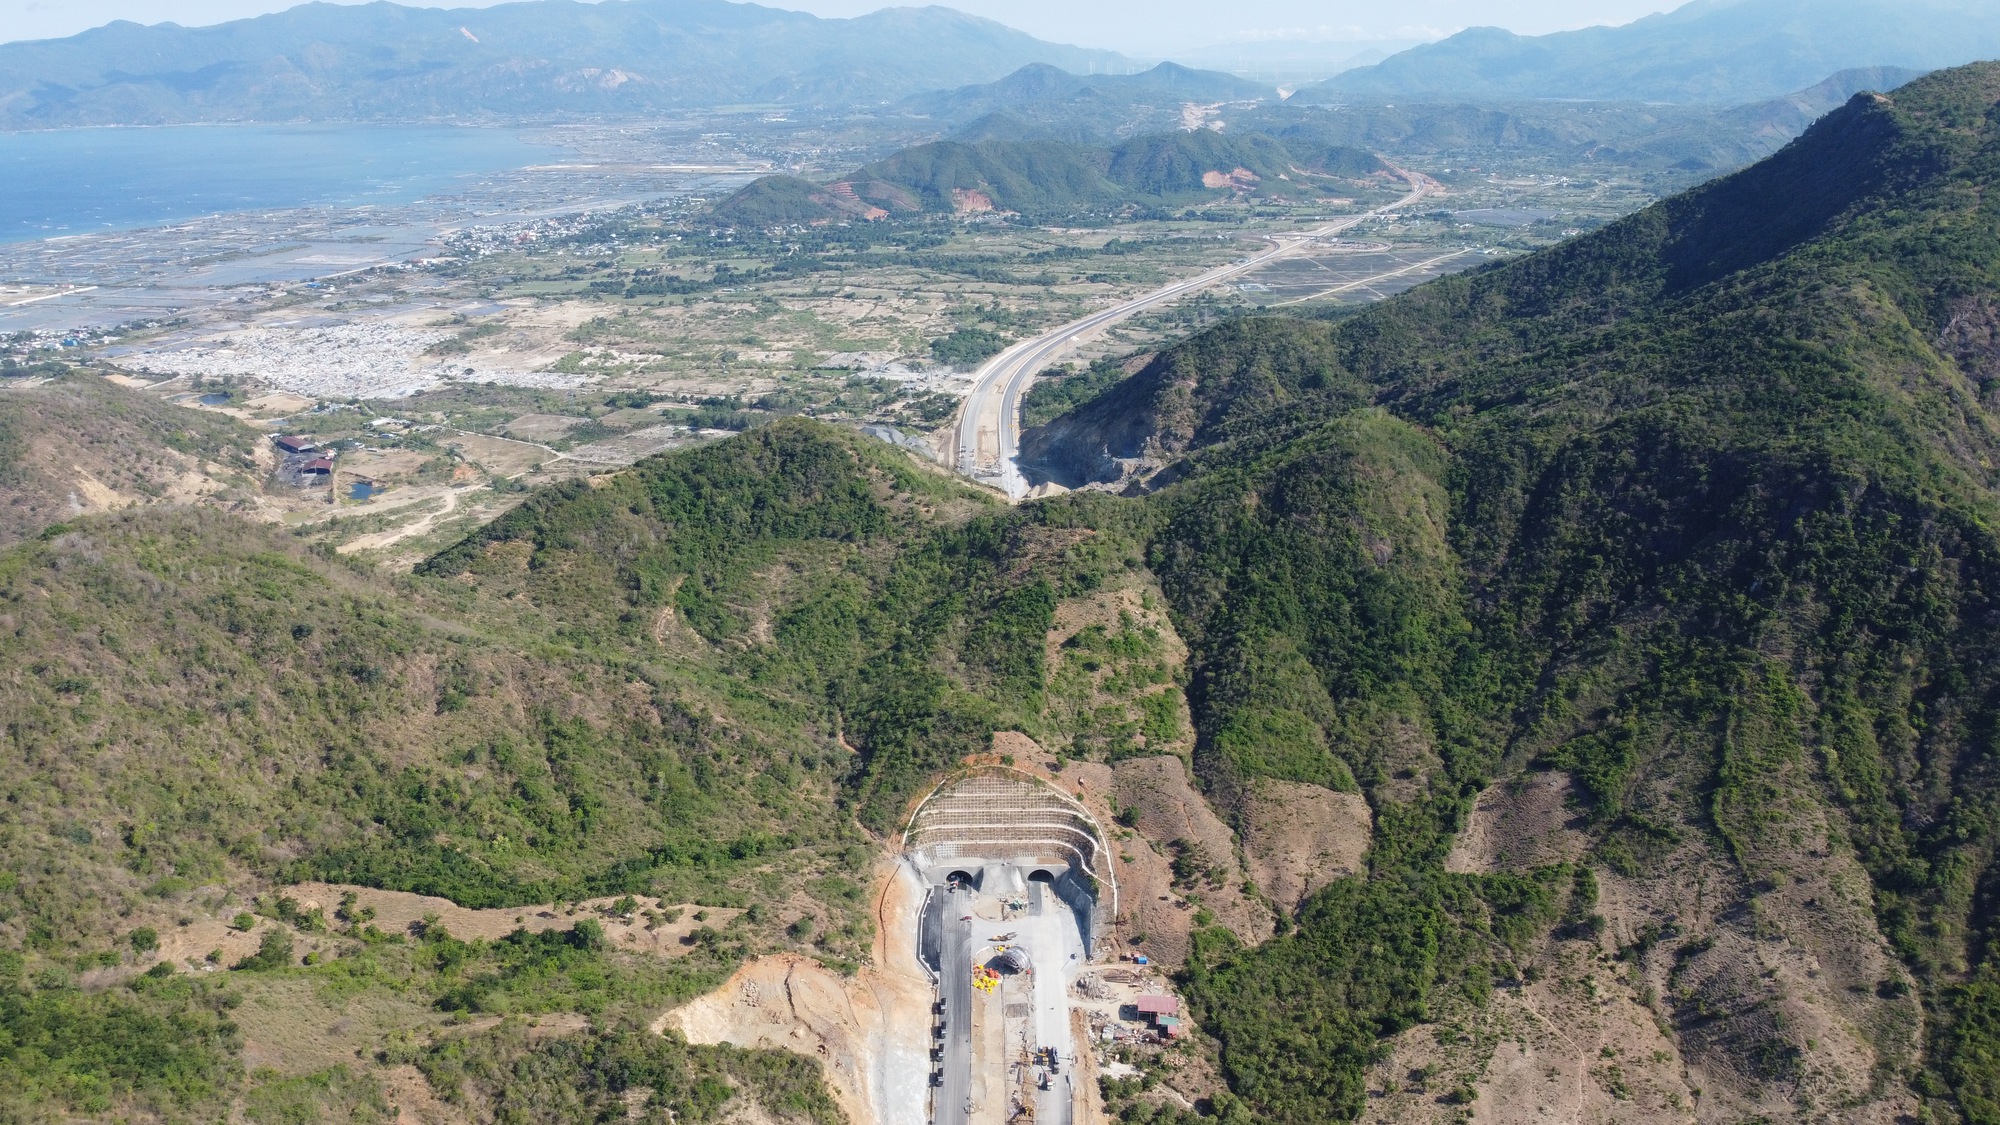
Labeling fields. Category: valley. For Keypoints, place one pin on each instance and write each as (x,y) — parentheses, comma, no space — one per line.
(1096,598)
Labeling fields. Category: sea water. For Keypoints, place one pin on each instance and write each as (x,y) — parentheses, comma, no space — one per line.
(75,181)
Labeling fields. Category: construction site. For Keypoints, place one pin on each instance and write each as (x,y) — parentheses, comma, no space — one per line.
(996,983)
(1019,891)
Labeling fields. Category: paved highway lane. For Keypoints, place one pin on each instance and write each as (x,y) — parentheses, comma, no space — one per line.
(955,985)
(989,431)
(1050,936)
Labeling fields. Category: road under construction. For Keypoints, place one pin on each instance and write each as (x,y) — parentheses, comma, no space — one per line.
(986,440)
(1020,889)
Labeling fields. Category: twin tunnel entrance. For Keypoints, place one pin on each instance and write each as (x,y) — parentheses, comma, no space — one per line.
(1038,875)
(1020,888)
(994,828)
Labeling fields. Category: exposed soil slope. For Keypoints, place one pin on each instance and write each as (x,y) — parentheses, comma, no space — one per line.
(80,445)
(870,1030)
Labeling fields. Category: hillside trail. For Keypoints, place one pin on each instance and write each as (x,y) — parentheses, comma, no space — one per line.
(1576,1049)
(409,530)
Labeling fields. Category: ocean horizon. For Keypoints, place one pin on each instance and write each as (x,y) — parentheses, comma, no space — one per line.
(65,182)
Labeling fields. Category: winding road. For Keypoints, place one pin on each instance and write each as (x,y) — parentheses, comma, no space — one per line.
(987,438)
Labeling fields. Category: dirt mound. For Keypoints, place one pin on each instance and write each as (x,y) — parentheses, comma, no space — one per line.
(1025,751)
(1525,823)
(870,1031)
(1298,838)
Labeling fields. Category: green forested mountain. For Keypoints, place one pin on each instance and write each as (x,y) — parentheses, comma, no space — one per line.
(1698,510)
(384,61)
(1717,52)
(1009,167)
(1695,514)
(1689,522)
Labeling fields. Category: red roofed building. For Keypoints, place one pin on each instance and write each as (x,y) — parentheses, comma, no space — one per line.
(1158,1005)
(294,444)
(318,465)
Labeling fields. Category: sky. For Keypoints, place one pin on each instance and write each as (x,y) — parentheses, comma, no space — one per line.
(1132,26)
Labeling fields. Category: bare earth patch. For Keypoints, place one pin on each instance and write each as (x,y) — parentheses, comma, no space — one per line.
(1298,838)
(498,456)
(870,1031)
(396,910)
(1155,914)
(1518,825)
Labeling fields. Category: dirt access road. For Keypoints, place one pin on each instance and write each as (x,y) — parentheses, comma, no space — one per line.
(988,434)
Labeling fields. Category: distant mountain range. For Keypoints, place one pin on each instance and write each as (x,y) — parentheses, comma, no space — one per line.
(1292,61)
(1690,138)
(1048,142)
(540,59)
(1709,51)
(1040,176)
(1045,102)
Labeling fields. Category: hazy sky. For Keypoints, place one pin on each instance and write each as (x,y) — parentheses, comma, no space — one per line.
(1137,26)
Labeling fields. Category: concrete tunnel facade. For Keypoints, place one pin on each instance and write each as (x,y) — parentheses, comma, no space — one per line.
(1000,828)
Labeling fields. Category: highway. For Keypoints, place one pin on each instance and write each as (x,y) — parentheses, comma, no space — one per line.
(979,1085)
(1050,936)
(988,434)
(954,1098)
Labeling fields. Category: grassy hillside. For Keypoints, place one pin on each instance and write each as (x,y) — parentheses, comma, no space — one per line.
(77,444)
(1698,509)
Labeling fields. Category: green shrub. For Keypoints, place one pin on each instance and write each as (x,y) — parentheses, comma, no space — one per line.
(274,951)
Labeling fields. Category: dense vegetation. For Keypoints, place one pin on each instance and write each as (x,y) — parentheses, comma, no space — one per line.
(167,1045)
(968,347)
(1059,390)
(1698,509)
(1047,177)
